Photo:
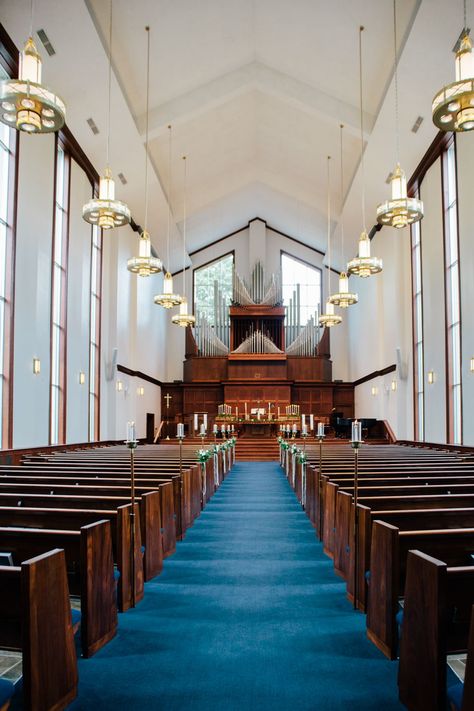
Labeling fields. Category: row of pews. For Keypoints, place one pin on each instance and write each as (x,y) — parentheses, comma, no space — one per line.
(406,553)
(66,527)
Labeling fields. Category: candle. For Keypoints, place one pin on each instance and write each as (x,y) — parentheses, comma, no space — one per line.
(303,420)
(305,429)
(245,410)
(131,432)
(203,429)
(320,429)
(223,429)
(294,426)
(232,428)
(258,414)
(204,419)
(180,430)
(311,422)
(356,431)
(278,413)
(195,421)
(236,411)
(214,428)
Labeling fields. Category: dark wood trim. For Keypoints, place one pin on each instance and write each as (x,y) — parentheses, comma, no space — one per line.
(180,271)
(206,264)
(439,144)
(70,144)
(375,374)
(9,55)
(142,376)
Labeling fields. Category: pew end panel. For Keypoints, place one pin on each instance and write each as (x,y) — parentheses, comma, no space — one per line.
(382,605)
(49,656)
(98,597)
(150,520)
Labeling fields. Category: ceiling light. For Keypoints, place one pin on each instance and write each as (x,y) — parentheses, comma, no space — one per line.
(400,210)
(453,106)
(184,319)
(168,298)
(343,298)
(105,211)
(25,103)
(329,318)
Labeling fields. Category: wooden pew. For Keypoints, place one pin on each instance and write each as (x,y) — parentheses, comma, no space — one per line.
(437,616)
(90,569)
(389,551)
(35,616)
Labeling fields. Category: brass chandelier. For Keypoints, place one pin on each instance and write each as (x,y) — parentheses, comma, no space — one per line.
(363,265)
(343,298)
(168,299)
(145,264)
(25,103)
(329,318)
(453,105)
(400,210)
(105,211)
(183,318)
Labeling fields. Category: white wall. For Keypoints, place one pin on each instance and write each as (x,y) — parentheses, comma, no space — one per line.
(33,290)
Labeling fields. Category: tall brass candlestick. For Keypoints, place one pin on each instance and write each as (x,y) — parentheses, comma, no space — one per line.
(320,436)
(356,441)
(132,445)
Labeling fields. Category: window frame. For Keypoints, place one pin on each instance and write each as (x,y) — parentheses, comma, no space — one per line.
(283,252)
(203,266)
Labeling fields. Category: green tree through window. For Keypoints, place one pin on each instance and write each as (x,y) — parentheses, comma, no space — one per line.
(206,278)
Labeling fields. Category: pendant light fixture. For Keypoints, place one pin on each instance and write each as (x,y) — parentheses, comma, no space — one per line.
(363,265)
(144,265)
(453,106)
(400,210)
(25,103)
(184,319)
(105,211)
(344,298)
(329,318)
(167,299)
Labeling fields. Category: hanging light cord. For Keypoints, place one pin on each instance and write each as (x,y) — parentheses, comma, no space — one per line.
(342,196)
(109,88)
(465,17)
(146,123)
(31,18)
(184,224)
(395,49)
(329,226)
(362,166)
(169,200)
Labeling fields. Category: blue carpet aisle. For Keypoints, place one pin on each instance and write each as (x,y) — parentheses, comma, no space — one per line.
(248,614)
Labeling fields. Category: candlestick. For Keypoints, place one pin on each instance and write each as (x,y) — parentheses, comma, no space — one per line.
(203,429)
(311,422)
(303,420)
(195,422)
(180,430)
(204,420)
(305,430)
(320,429)
(214,428)
(245,410)
(131,432)
(356,431)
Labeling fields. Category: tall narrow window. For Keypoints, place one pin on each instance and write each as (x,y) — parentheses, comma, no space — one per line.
(8,145)
(94,335)
(58,300)
(453,305)
(213,295)
(418,359)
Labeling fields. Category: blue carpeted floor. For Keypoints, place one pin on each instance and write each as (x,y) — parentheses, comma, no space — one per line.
(248,614)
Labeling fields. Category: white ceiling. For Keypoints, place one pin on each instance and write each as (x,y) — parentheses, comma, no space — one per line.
(255,90)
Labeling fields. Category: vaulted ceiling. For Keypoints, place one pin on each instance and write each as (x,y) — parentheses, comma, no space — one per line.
(255,91)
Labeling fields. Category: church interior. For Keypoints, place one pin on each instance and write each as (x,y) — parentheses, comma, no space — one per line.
(236,356)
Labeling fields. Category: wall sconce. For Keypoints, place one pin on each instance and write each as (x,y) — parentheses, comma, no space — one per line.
(471,365)
(431,377)
(82,378)
(119,386)
(141,391)
(36,366)
(394,385)
(375,390)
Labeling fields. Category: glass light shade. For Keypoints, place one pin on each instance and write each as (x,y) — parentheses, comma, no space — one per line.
(453,106)
(144,265)
(167,299)
(25,103)
(344,298)
(401,210)
(30,63)
(329,318)
(105,211)
(364,265)
(183,318)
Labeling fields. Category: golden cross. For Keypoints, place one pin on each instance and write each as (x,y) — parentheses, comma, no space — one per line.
(168,398)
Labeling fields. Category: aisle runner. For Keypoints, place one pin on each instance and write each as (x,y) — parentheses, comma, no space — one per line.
(248,614)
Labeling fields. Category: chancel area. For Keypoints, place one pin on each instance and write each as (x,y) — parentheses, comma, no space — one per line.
(236,355)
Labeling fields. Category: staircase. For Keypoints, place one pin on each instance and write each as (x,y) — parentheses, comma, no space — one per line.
(252,449)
